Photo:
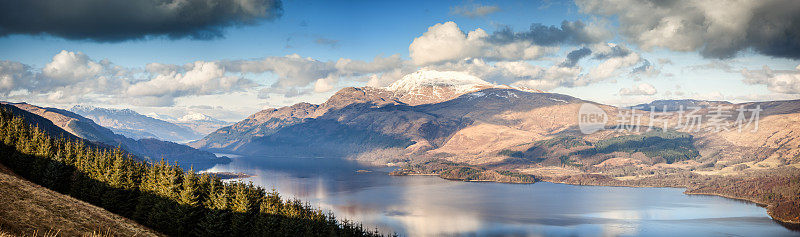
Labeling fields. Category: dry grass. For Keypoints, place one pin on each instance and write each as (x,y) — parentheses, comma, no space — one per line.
(32,210)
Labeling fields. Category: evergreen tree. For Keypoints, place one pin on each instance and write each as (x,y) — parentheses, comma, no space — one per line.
(189,202)
(158,195)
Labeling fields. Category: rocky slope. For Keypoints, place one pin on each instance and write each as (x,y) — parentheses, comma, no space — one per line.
(148,149)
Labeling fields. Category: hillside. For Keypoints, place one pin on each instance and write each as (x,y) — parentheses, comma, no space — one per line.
(148,149)
(29,208)
(512,135)
(161,196)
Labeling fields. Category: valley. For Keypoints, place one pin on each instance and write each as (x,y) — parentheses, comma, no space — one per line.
(511,135)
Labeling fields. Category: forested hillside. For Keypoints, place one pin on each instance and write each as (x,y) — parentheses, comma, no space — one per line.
(148,149)
(161,196)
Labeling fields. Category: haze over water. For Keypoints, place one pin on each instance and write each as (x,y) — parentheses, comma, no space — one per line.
(431,206)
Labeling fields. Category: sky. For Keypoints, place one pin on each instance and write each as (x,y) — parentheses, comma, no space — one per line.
(230,59)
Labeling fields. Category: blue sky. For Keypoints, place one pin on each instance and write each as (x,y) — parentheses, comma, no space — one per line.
(324,32)
(363,29)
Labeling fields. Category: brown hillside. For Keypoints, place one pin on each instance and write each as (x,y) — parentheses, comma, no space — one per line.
(28,208)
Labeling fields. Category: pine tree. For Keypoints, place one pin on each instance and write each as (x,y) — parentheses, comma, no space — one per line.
(165,198)
(189,201)
(216,220)
(241,205)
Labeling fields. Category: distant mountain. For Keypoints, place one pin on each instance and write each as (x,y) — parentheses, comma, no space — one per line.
(200,123)
(131,124)
(148,148)
(465,120)
(466,129)
(429,86)
(675,105)
(358,120)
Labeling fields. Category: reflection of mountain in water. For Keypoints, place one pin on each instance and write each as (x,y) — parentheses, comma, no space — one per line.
(427,206)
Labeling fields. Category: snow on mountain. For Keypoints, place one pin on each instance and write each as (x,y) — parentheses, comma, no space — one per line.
(194,117)
(134,125)
(200,123)
(458,82)
(429,86)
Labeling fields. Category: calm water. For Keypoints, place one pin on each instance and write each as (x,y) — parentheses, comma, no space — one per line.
(430,206)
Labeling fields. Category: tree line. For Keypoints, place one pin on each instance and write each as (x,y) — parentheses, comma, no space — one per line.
(159,195)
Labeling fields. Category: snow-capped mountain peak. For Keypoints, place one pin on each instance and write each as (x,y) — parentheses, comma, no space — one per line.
(458,82)
(193,116)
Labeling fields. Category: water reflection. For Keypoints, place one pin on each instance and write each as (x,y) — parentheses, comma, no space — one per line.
(428,206)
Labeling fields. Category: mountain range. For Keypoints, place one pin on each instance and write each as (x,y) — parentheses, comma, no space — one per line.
(460,127)
(131,124)
(464,128)
(66,123)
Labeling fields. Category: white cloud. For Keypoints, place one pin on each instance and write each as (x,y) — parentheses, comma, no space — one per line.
(70,67)
(203,78)
(445,42)
(296,73)
(14,76)
(378,64)
(73,77)
(641,89)
(324,84)
(780,81)
(615,58)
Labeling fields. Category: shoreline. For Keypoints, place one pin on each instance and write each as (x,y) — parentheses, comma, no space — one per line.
(769,208)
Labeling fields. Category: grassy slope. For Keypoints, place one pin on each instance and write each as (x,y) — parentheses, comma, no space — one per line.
(29,208)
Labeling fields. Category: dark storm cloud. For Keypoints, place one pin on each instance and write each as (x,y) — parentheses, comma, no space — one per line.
(575,56)
(575,32)
(714,28)
(775,29)
(119,20)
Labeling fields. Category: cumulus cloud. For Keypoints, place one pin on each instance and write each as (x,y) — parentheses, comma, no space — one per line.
(770,27)
(119,20)
(612,60)
(378,64)
(71,77)
(294,71)
(70,67)
(616,57)
(780,81)
(445,42)
(517,73)
(474,10)
(203,78)
(641,89)
(14,76)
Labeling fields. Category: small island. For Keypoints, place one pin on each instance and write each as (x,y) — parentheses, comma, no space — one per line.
(230,175)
